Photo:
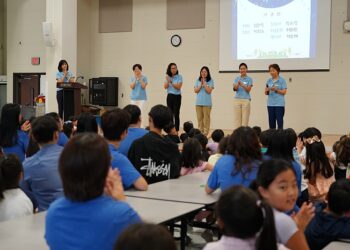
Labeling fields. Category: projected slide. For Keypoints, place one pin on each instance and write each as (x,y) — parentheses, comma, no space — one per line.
(292,33)
(270,29)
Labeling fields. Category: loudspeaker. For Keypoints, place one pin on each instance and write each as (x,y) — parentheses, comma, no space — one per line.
(47,33)
(103,91)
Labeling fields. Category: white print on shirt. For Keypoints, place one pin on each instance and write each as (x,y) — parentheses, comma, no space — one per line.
(152,168)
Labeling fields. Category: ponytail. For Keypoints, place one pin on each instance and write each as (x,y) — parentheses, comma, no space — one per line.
(267,236)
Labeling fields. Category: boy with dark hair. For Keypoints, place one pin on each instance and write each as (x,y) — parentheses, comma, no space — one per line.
(156,157)
(62,137)
(134,131)
(115,125)
(41,178)
(331,222)
(172,133)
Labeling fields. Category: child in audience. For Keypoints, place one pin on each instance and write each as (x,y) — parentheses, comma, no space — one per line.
(277,184)
(145,237)
(240,165)
(193,132)
(342,157)
(319,170)
(134,131)
(13,137)
(281,147)
(246,222)
(62,137)
(257,130)
(216,136)
(331,222)
(187,126)
(265,137)
(87,123)
(203,140)
(68,129)
(86,218)
(222,149)
(192,158)
(153,155)
(115,125)
(13,201)
(41,177)
(172,134)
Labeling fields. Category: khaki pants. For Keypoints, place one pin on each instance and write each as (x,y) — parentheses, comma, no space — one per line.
(241,112)
(203,118)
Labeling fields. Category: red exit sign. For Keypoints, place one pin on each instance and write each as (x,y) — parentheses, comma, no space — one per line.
(35,60)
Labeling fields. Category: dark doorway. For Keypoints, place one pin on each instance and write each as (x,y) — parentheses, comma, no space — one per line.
(26,86)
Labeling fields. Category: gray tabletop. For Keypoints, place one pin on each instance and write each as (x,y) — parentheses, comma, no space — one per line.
(158,211)
(337,245)
(28,232)
(189,189)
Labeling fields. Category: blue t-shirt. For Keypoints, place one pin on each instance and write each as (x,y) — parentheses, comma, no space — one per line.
(59,76)
(176,79)
(203,98)
(223,175)
(274,99)
(62,139)
(41,176)
(127,171)
(138,93)
(94,224)
(20,148)
(133,134)
(241,93)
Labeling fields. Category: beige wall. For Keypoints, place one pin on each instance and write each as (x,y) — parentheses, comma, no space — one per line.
(24,38)
(314,98)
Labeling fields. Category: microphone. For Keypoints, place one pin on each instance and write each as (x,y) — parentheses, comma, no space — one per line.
(79,77)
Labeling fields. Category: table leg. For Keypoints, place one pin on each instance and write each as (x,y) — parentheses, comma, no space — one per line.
(183,233)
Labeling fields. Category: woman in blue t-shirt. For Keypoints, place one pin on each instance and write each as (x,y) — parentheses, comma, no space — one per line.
(173,85)
(63,75)
(13,137)
(276,89)
(92,214)
(203,87)
(138,84)
(242,85)
(240,165)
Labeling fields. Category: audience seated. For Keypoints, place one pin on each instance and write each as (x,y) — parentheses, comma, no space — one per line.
(134,131)
(86,218)
(332,221)
(145,237)
(240,165)
(216,136)
(172,134)
(222,149)
(156,157)
(14,202)
(246,222)
(86,123)
(14,138)
(115,128)
(192,158)
(41,177)
(62,137)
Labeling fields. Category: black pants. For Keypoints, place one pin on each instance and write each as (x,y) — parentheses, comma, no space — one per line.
(174,104)
(276,114)
(59,97)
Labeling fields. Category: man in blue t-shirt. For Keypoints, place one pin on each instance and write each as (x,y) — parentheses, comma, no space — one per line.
(114,124)
(134,131)
(41,177)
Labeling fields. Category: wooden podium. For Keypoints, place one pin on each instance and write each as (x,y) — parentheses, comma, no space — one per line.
(71,98)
